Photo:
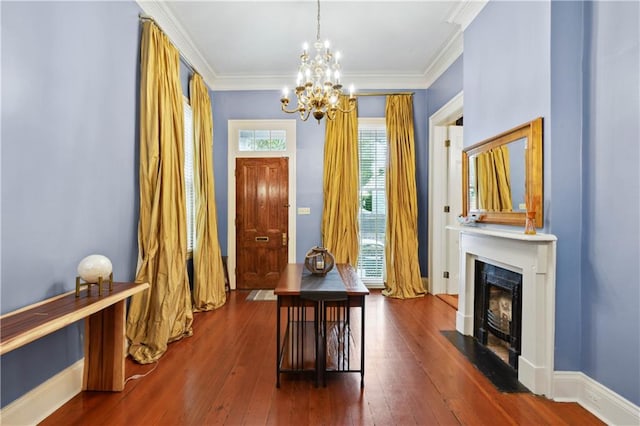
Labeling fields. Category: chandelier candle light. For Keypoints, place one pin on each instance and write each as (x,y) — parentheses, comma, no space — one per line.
(318,86)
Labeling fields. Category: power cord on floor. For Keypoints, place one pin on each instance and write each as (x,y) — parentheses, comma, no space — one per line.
(139,376)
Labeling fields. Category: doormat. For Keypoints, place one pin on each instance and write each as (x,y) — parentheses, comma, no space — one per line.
(261,295)
(503,377)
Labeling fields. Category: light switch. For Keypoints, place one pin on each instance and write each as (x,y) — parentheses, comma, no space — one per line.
(304,210)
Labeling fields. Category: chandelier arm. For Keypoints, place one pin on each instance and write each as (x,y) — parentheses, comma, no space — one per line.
(291,111)
(304,114)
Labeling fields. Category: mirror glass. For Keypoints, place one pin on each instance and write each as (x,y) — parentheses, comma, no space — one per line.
(503,176)
(496,178)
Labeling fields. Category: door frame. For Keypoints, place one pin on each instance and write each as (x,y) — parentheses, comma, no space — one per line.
(234,126)
(437,196)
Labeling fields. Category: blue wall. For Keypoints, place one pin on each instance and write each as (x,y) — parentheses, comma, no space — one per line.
(611,200)
(563,193)
(445,87)
(506,68)
(576,65)
(69,162)
(264,105)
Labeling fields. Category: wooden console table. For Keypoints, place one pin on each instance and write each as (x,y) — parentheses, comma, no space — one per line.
(104,337)
(318,335)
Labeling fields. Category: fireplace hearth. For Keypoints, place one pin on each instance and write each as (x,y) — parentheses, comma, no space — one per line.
(498,311)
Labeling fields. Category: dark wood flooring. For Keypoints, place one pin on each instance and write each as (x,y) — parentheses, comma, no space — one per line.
(225,374)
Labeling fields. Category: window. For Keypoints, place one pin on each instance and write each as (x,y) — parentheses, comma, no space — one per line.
(262,140)
(372,142)
(188,177)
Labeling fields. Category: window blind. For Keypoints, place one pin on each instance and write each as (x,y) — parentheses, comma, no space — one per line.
(372,143)
(188,177)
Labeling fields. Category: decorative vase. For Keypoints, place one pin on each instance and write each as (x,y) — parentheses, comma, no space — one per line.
(319,261)
(530,223)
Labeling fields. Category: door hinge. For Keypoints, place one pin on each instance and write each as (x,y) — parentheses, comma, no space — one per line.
(447,143)
(445,274)
(447,209)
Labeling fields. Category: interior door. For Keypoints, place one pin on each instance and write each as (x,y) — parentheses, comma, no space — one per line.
(262,211)
(454,195)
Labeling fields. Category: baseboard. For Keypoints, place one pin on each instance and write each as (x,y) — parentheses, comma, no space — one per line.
(608,406)
(37,404)
(375,286)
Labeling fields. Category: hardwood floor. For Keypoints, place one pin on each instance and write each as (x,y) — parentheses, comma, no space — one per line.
(225,374)
(449,299)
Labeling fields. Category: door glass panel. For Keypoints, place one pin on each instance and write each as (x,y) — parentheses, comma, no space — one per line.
(246,141)
(278,140)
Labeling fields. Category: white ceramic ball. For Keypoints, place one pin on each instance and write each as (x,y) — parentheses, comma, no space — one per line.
(94,266)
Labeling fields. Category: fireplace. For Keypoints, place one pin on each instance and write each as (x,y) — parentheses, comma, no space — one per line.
(534,257)
(498,310)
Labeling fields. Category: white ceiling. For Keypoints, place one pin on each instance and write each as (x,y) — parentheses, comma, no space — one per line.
(256,44)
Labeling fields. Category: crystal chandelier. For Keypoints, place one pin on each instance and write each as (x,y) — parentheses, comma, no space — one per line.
(318,86)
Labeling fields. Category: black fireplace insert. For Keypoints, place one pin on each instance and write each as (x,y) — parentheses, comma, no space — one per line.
(498,310)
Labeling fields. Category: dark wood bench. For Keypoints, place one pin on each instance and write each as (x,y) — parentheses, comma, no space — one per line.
(104,315)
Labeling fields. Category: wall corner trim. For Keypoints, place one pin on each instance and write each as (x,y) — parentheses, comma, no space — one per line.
(37,404)
(602,402)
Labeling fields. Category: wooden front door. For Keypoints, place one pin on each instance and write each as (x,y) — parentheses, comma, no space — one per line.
(262,221)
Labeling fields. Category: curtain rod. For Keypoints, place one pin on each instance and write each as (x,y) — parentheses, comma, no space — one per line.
(382,93)
(143,17)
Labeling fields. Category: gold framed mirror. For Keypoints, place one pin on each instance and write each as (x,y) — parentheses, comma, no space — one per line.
(502,176)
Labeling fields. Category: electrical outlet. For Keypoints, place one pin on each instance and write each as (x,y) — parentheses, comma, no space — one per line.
(304,210)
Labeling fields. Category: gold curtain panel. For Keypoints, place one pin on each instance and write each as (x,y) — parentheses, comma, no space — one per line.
(340,227)
(208,287)
(401,251)
(494,186)
(163,313)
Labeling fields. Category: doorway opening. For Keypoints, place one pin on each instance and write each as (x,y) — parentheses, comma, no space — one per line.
(445,196)
(260,139)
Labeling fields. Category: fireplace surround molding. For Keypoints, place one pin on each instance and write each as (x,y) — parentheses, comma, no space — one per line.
(533,256)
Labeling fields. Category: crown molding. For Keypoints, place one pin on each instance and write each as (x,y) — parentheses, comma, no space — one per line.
(447,56)
(360,81)
(462,15)
(386,81)
(163,16)
(465,12)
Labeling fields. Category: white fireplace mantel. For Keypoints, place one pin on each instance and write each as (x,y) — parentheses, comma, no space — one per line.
(533,256)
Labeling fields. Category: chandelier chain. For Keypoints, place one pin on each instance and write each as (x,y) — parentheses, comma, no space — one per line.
(318,29)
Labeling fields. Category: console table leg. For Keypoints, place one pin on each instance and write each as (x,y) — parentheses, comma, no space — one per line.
(104,335)
(362,345)
(278,355)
